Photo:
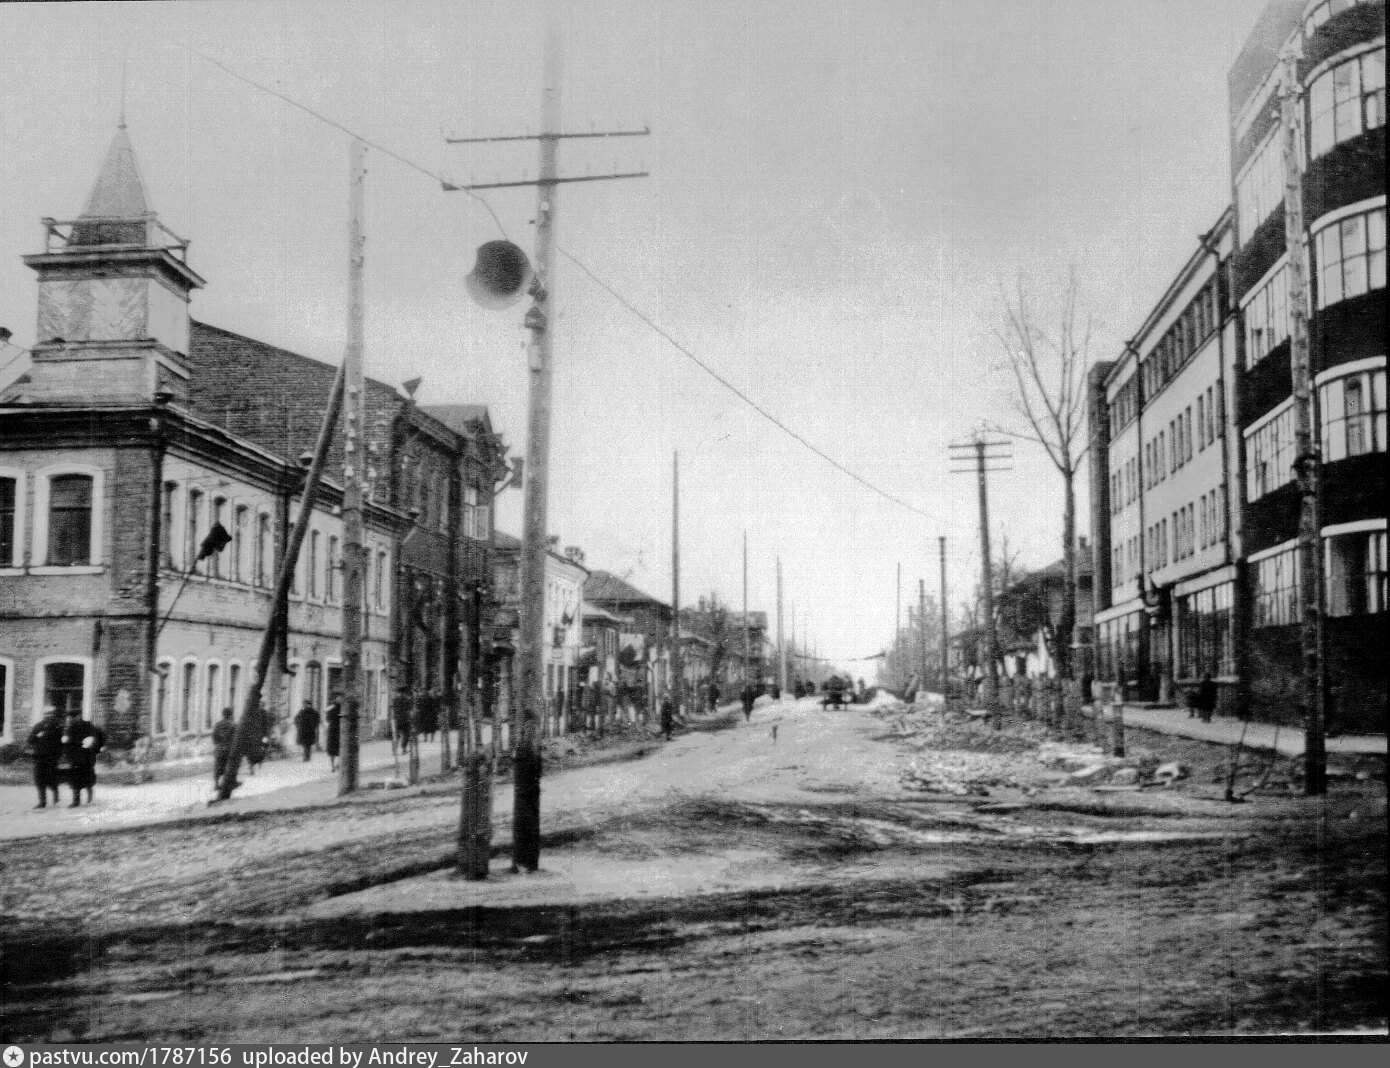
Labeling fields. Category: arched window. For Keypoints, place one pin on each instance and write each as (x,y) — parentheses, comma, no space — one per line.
(193,519)
(265,550)
(239,549)
(218,517)
(188,695)
(159,713)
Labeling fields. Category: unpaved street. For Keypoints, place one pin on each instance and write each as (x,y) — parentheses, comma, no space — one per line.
(732,884)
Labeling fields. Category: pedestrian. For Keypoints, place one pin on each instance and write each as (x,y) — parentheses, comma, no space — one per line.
(1206,698)
(332,735)
(82,741)
(222,737)
(306,728)
(403,716)
(749,695)
(46,742)
(713,697)
(668,714)
(429,715)
(257,737)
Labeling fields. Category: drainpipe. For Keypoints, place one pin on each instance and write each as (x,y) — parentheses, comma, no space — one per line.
(154,539)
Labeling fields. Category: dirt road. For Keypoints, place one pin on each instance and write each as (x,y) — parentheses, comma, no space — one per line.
(732,885)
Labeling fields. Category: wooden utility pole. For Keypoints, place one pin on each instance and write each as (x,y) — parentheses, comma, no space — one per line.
(747,648)
(945,640)
(980,467)
(781,648)
(922,625)
(898,622)
(251,709)
(1307,462)
(677,668)
(354,470)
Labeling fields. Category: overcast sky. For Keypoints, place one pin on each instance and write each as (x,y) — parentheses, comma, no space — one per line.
(838,192)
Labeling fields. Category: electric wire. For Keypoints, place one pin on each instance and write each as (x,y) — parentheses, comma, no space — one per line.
(610,290)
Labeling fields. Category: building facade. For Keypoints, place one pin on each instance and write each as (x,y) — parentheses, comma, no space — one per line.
(1341,76)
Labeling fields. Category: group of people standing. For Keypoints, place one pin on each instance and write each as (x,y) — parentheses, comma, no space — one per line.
(65,748)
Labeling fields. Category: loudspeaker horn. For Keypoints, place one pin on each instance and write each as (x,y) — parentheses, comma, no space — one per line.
(501,276)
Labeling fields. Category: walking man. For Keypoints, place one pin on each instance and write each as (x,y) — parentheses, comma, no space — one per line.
(332,735)
(222,737)
(668,714)
(46,742)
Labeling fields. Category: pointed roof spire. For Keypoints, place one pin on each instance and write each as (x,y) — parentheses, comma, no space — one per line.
(118,190)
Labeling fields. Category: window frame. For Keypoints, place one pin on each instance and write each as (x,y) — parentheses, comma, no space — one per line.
(41,665)
(96,533)
(21,492)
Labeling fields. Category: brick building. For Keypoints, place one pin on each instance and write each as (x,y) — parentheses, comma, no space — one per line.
(136,430)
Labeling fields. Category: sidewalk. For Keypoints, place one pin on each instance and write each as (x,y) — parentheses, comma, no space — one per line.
(287,783)
(1224,730)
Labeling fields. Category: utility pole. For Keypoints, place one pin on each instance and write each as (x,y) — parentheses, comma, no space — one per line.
(747,648)
(781,649)
(354,469)
(526,804)
(1307,462)
(982,460)
(945,641)
(677,668)
(922,625)
(898,622)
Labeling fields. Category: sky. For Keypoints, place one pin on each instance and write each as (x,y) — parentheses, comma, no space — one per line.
(840,193)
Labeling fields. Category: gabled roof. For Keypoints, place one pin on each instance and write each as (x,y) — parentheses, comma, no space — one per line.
(606,587)
(460,417)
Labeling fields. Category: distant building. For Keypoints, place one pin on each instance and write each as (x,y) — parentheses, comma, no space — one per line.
(651,623)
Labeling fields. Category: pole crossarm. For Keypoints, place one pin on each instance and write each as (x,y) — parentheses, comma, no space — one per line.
(450,187)
(645,131)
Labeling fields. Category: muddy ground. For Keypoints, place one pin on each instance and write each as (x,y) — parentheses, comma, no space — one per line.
(733,885)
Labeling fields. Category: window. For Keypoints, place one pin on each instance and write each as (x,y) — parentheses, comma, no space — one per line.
(166,525)
(1276,590)
(379,582)
(470,511)
(1205,645)
(1356,573)
(212,696)
(441,508)
(240,572)
(1353,414)
(265,550)
(64,686)
(9,526)
(193,518)
(1269,454)
(330,584)
(159,715)
(215,518)
(188,695)
(1351,257)
(1346,101)
(311,571)
(1260,188)
(69,520)
(1187,434)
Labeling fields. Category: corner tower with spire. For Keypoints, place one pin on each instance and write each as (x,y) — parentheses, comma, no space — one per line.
(114,286)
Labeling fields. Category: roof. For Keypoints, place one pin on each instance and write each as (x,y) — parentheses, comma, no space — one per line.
(604,586)
(459,417)
(119,190)
(592,611)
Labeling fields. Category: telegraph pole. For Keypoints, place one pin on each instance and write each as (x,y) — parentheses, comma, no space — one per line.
(677,668)
(354,469)
(898,620)
(781,649)
(747,649)
(922,625)
(1307,462)
(979,446)
(945,646)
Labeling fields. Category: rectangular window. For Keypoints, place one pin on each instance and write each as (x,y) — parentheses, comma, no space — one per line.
(1353,414)
(160,715)
(311,568)
(1260,189)
(188,697)
(64,686)
(265,550)
(193,519)
(1351,257)
(8,535)
(1346,101)
(70,520)
(470,511)
(1270,454)
(1187,433)
(330,584)
(1276,590)
(239,570)
(166,525)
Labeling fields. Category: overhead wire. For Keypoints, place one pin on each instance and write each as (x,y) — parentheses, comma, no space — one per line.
(594,277)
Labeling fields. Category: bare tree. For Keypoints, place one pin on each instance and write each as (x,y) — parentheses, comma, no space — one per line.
(1049,370)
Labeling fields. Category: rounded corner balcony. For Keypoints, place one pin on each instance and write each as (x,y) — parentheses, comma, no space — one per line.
(1329,26)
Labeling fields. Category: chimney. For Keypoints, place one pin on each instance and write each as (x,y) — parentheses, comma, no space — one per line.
(574,554)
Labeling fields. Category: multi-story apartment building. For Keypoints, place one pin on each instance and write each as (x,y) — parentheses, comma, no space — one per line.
(1165,543)
(135,430)
(1341,78)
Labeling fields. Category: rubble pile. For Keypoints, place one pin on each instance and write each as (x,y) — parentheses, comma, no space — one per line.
(961,773)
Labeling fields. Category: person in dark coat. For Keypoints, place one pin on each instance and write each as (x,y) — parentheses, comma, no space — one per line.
(1205,702)
(222,736)
(428,715)
(713,697)
(46,742)
(306,728)
(668,714)
(257,738)
(333,727)
(749,696)
(403,716)
(82,741)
